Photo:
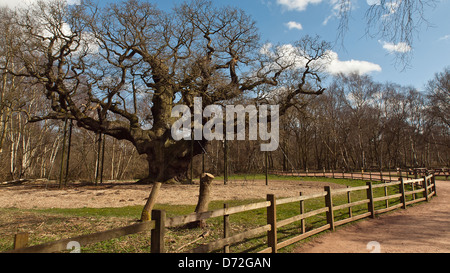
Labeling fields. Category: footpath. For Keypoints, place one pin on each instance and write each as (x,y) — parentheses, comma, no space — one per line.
(422,228)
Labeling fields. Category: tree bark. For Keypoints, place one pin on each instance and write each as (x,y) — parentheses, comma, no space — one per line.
(169,161)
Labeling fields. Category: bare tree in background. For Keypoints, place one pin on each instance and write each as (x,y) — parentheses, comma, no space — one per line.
(396,21)
(438,91)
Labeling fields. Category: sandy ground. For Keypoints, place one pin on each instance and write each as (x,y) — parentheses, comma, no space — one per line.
(119,194)
(424,228)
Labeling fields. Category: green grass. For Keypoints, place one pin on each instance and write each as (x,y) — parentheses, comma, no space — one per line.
(442,177)
(53,224)
(250,177)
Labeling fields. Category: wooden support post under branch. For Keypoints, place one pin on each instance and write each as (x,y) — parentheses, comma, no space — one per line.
(204,197)
(147,210)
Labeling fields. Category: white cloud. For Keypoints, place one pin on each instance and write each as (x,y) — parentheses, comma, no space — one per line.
(13,3)
(294,25)
(373,2)
(265,49)
(400,47)
(73,2)
(88,41)
(338,8)
(389,7)
(25,3)
(444,38)
(298,5)
(392,6)
(289,55)
(336,66)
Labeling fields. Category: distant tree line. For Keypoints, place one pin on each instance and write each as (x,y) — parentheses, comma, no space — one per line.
(361,124)
(355,124)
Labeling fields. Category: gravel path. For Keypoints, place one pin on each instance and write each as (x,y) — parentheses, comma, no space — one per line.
(424,228)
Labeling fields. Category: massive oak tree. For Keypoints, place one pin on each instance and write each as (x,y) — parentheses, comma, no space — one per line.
(119,69)
(99,63)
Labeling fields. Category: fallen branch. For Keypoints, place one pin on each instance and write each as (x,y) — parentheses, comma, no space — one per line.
(18,182)
(201,236)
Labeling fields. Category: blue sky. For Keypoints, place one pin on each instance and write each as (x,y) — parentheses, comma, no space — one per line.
(430,52)
(285,21)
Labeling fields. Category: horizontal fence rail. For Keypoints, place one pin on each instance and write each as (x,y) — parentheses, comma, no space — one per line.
(371,174)
(417,189)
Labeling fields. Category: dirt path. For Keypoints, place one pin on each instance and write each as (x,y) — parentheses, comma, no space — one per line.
(424,228)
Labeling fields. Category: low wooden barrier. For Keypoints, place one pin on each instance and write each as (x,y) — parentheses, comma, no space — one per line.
(370,174)
(420,189)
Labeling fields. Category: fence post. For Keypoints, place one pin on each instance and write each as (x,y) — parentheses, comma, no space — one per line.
(370,205)
(425,186)
(302,210)
(386,193)
(272,221)
(349,200)
(433,180)
(20,240)
(402,191)
(329,204)
(157,234)
(226,229)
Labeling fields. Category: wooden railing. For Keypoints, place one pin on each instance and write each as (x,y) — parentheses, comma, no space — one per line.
(370,174)
(420,189)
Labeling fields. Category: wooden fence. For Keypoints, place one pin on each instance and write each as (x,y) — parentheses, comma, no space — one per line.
(420,189)
(370,174)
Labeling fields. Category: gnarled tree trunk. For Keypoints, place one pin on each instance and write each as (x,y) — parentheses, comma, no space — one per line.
(168,160)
